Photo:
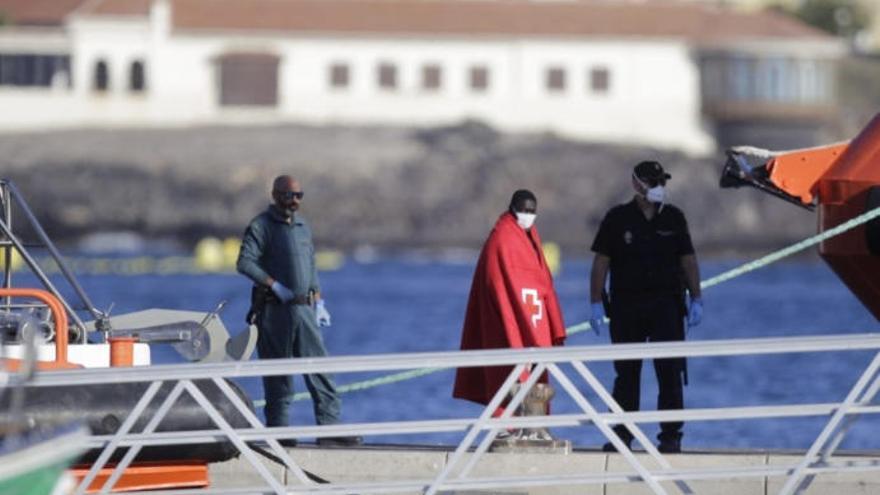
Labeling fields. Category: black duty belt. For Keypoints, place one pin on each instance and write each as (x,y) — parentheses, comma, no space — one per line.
(301,300)
(262,295)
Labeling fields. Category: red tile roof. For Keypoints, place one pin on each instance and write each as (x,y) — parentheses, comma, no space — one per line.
(37,12)
(593,18)
(574,18)
(117,7)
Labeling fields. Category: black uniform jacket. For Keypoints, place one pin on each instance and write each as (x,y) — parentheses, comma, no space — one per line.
(645,254)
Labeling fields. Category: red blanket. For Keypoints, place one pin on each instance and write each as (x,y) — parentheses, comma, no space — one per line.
(512,304)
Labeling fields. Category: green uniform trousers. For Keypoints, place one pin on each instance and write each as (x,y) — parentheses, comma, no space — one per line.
(286,331)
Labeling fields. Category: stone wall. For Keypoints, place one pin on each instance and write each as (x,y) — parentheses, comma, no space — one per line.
(386,187)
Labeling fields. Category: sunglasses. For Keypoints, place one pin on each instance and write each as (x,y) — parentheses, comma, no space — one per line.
(288,195)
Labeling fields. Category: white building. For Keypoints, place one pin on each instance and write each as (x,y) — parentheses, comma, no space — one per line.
(668,75)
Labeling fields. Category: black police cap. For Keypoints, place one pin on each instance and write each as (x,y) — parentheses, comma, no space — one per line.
(650,170)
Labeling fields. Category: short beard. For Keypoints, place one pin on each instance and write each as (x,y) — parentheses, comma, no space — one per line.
(285,210)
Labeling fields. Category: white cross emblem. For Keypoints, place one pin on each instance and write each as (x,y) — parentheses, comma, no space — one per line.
(536,307)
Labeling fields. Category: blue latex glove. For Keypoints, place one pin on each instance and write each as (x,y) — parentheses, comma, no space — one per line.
(283,293)
(597,316)
(695,312)
(321,314)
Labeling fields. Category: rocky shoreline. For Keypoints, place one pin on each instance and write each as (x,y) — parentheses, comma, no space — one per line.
(377,186)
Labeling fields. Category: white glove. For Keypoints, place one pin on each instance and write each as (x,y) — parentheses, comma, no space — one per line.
(597,316)
(695,312)
(283,293)
(321,314)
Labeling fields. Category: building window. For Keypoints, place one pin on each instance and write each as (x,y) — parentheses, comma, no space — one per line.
(248,79)
(34,70)
(825,82)
(479,78)
(713,83)
(101,80)
(137,81)
(339,76)
(780,80)
(808,81)
(432,77)
(736,78)
(746,81)
(387,75)
(555,79)
(600,79)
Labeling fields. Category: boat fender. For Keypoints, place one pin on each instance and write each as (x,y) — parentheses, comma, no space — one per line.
(103,408)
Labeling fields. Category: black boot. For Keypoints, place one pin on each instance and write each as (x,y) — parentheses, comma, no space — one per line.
(624,435)
(609,447)
(670,443)
(340,441)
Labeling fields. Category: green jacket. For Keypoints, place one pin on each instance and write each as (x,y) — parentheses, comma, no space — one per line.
(281,248)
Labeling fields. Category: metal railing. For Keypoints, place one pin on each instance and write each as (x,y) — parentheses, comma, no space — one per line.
(569,367)
(9,240)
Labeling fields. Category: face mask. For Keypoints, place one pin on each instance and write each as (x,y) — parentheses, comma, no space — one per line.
(525,220)
(656,194)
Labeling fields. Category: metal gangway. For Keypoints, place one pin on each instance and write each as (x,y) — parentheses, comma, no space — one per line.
(569,368)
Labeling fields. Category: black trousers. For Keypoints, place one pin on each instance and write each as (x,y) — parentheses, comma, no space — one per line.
(648,318)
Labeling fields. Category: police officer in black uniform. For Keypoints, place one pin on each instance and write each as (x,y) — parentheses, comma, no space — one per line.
(647,248)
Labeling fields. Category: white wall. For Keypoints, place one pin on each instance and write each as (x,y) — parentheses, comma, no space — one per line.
(119,42)
(305,73)
(47,40)
(33,107)
(653,97)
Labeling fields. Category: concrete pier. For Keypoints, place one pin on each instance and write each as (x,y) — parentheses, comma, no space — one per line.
(372,464)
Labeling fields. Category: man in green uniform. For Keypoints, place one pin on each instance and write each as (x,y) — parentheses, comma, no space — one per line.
(277,254)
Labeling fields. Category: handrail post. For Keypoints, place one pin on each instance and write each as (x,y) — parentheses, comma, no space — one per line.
(7,246)
(56,255)
(57,312)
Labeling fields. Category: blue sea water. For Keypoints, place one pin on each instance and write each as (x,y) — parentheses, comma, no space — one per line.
(417,304)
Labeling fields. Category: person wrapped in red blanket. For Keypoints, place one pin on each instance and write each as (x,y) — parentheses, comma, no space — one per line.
(512,301)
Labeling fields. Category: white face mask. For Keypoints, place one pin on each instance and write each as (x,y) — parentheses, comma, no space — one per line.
(656,194)
(525,220)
